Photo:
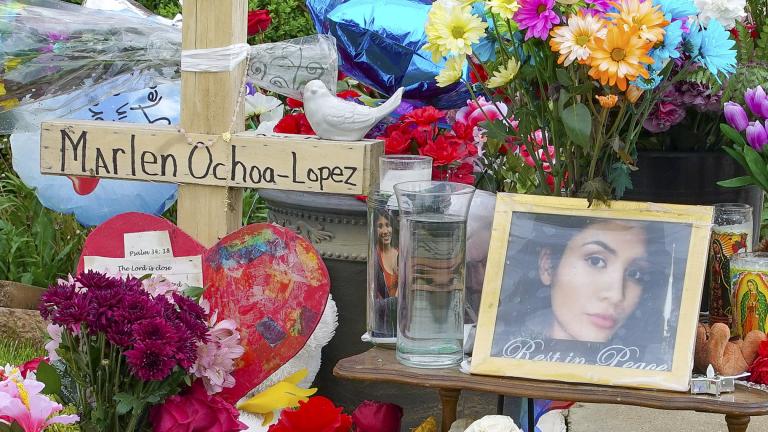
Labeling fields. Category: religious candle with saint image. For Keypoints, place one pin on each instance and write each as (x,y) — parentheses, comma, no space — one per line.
(731,234)
(749,279)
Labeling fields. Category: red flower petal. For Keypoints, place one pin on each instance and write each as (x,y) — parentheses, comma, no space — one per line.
(258,21)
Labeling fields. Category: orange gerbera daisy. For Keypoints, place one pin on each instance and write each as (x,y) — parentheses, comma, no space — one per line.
(642,16)
(607,101)
(619,57)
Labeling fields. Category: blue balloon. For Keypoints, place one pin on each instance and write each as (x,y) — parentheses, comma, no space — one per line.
(379,44)
(159,106)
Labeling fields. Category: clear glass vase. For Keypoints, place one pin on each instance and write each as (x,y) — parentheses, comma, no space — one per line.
(432,261)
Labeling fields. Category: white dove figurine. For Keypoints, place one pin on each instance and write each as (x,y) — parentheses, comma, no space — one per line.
(333,118)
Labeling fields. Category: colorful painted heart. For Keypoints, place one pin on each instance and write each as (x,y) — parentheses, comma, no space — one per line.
(268,279)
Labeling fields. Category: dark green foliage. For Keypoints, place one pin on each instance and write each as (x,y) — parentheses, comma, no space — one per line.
(290,19)
(37,245)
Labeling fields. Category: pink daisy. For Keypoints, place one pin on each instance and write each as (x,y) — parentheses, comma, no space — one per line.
(538,17)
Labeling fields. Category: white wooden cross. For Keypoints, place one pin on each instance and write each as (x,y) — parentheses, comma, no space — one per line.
(210,198)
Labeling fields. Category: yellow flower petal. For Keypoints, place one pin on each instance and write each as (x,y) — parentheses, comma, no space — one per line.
(285,394)
(505,74)
(504,8)
(451,29)
(452,72)
(2,88)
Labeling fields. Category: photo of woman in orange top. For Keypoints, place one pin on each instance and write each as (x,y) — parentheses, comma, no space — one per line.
(386,279)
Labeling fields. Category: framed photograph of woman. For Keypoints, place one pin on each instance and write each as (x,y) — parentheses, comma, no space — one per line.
(602,295)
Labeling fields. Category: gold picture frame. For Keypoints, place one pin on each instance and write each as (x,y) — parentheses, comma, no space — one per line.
(682,295)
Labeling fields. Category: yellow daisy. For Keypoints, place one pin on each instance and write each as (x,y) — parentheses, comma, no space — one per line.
(607,101)
(452,72)
(648,20)
(505,74)
(504,8)
(619,57)
(451,30)
(571,40)
(2,88)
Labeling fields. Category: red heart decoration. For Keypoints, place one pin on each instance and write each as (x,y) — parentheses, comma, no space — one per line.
(83,185)
(274,284)
(106,240)
(269,280)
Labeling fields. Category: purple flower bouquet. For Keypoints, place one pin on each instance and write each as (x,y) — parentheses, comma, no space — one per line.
(750,136)
(129,344)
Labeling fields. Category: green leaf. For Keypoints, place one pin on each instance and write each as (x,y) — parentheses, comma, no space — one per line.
(737,182)
(15,427)
(756,166)
(619,179)
(562,100)
(578,124)
(736,154)
(194,292)
(732,134)
(563,77)
(48,375)
(125,403)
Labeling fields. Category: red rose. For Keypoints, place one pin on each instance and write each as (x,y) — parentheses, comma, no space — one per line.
(195,411)
(296,124)
(31,366)
(477,72)
(318,414)
(258,21)
(464,173)
(424,116)
(762,349)
(445,150)
(759,371)
(397,142)
(373,416)
(294,103)
(348,94)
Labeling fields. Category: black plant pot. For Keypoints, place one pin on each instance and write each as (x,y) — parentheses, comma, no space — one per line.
(691,178)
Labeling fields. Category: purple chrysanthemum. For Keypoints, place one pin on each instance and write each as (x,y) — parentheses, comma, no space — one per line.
(150,361)
(155,329)
(119,333)
(538,17)
(699,96)
(663,116)
(93,280)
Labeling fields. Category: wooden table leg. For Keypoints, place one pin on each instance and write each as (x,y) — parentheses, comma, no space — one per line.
(737,423)
(449,399)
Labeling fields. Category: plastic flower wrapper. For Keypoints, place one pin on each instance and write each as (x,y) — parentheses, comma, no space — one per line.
(50,48)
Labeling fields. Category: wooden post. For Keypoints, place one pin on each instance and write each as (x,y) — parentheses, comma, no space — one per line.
(737,423)
(208,100)
(449,400)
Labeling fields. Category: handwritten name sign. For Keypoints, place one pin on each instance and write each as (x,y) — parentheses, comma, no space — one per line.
(162,154)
